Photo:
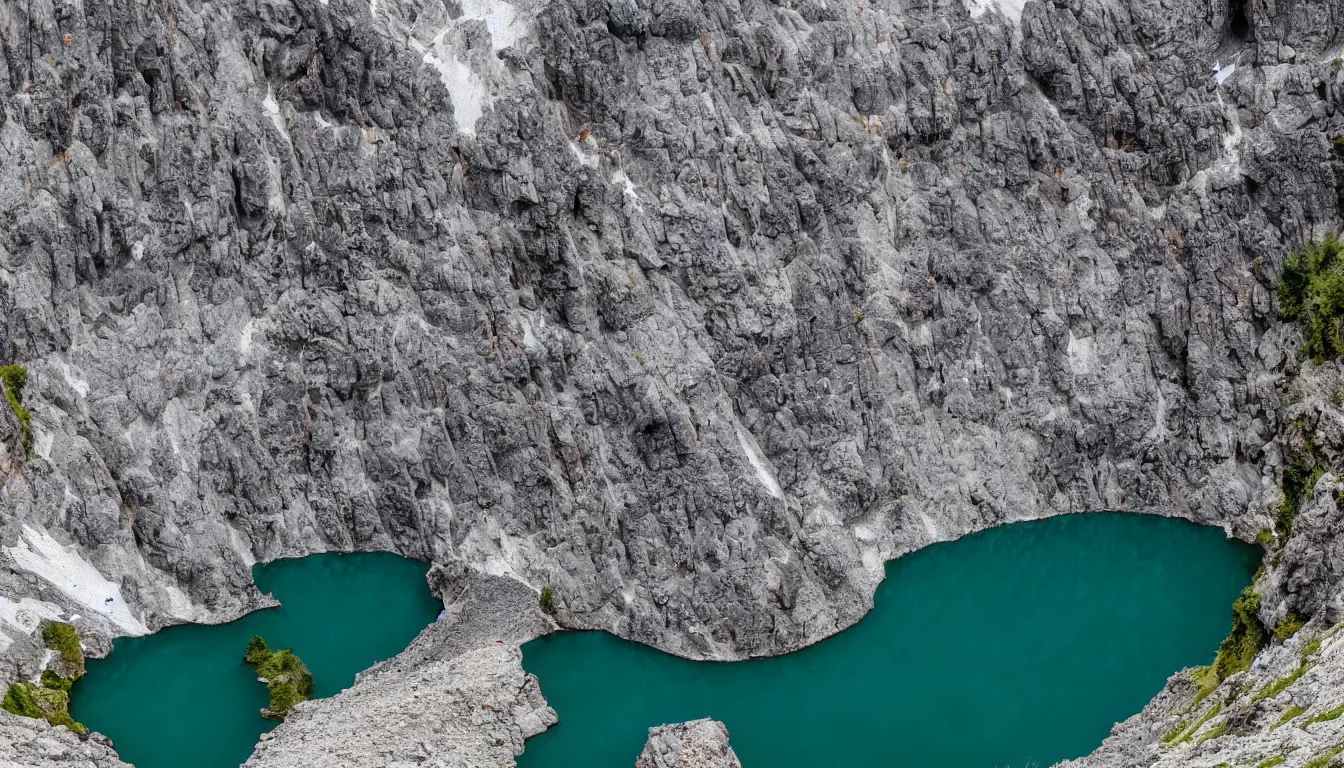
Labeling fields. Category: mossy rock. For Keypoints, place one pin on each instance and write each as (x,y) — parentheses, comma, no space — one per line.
(285,675)
(1311,292)
(13,378)
(1247,637)
(62,638)
(28,700)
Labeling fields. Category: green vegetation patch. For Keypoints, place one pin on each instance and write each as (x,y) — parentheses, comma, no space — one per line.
(1173,736)
(1279,686)
(63,639)
(1288,627)
(1300,474)
(1332,714)
(55,682)
(1277,759)
(547,601)
(1181,734)
(1304,663)
(285,675)
(1311,292)
(1322,759)
(28,700)
(1245,640)
(14,378)
(50,700)
(1207,680)
(1288,715)
(1217,730)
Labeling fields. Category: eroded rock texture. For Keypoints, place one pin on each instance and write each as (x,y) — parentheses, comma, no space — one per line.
(27,742)
(697,744)
(1286,709)
(695,312)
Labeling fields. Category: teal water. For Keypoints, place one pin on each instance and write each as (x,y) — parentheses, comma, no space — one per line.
(183,697)
(1019,646)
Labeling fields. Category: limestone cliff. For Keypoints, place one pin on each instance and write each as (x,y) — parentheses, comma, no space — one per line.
(697,744)
(694,312)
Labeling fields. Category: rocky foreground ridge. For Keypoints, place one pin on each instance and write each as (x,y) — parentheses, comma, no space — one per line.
(693,312)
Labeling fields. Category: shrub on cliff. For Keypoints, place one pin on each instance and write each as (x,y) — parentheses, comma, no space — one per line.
(19,700)
(14,378)
(1300,473)
(1311,292)
(55,682)
(53,705)
(547,601)
(63,639)
(1245,640)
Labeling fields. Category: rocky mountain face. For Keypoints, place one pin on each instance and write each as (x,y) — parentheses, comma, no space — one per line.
(1286,708)
(694,312)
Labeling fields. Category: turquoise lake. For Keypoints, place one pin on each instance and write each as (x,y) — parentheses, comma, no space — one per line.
(1018,646)
(183,697)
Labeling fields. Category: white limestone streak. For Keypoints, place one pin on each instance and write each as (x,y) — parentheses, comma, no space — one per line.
(758,461)
(40,554)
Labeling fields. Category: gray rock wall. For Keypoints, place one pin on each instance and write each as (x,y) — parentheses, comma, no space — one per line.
(697,744)
(27,742)
(695,312)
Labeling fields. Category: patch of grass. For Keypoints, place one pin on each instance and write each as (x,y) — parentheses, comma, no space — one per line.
(1288,714)
(1300,474)
(1279,686)
(50,700)
(1331,714)
(1247,637)
(1303,664)
(62,638)
(1181,734)
(1288,627)
(55,682)
(19,700)
(27,700)
(1207,680)
(1323,758)
(1313,645)
(1217,730)
(14,378)
(1172,736)
(284,673)
(547,601)
(1311,292)
(1277,759)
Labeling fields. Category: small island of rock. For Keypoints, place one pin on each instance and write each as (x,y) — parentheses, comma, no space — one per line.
(284,674)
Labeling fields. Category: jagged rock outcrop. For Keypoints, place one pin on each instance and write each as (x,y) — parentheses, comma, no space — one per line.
(26,742)
(696,744)
(694,312)
(1288,704)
